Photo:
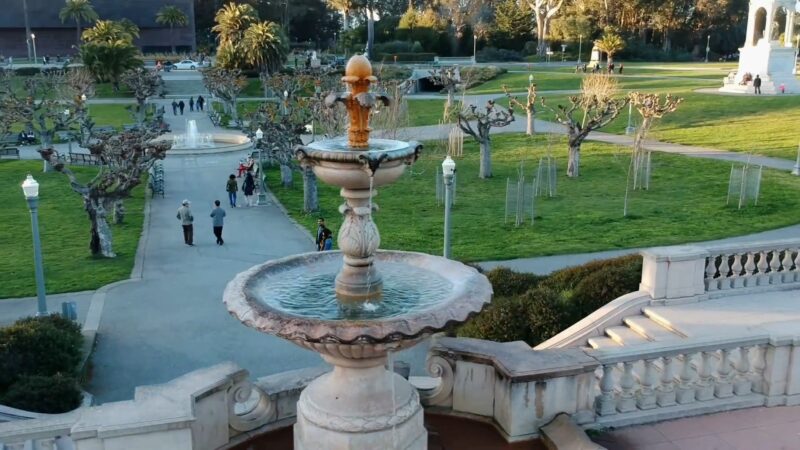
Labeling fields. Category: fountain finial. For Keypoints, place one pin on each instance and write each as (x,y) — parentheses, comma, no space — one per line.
(359,101)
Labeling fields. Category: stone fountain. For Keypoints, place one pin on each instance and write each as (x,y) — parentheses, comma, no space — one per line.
(192,141)
(358,305)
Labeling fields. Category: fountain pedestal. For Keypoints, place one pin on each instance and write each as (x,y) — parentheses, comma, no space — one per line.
(359,405)
(359,239)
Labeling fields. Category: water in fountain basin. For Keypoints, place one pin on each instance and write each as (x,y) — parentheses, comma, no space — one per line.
(308,291)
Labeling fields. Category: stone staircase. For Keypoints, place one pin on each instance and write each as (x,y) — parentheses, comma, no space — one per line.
(635,330)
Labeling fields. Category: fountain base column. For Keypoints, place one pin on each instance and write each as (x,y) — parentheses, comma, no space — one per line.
(358,239)
(359,406)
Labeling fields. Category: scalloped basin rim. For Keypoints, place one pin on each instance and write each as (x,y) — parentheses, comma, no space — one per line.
(338,150)
(471,292)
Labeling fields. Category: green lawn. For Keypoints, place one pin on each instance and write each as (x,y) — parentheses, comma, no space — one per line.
(686,203)
(114,115)
(552,81)
(106,90)
(64,227)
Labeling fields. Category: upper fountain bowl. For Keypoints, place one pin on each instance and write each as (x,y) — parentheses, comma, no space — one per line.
(294,298)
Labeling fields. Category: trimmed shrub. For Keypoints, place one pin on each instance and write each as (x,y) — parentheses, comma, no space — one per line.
(45,394)
(406,57)
(504,320)
(27,71)
(491,54)
(507,283)
(606,284)
(566,279)
(474,76)
(548,314)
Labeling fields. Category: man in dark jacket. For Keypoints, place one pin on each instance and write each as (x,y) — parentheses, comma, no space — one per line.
(181,106)
(757,85)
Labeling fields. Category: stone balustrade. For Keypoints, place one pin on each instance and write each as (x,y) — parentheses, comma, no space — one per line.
(521,389)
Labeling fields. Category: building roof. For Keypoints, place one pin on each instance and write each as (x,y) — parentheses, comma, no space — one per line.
(44,13)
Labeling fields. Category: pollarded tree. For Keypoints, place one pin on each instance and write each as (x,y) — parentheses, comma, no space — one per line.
(79,11)
(124,158)
(596,107)
(143,83)
(610,43)
(43,110)
(448,78)
(529,106)
(544,10)
(650,108)
(478,123)
(172,16)
(225,84)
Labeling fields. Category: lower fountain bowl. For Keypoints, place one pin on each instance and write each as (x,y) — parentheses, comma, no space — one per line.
(218,143)
(294,298)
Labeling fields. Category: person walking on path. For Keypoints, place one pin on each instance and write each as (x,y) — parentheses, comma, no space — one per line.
(217,216)
(200,102)
(327,240)
(248,186)
(186,218)
(322,233)
(757,85)
(181,106)
(191,104)
(232,187)
(174,108)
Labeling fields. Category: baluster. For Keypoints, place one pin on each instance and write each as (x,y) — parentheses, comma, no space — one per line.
(45,444)
(787,276)
(627,398)
(606,404)
(742,384)
(759,366)
(762,277)
(736,268)
(724,268)
(711,271)
(647,394)
(666,392)
(705,386)
(775,267)
(749,269)
(724,385)
(686,387)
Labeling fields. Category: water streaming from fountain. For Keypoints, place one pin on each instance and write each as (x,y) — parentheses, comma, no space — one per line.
(191,134)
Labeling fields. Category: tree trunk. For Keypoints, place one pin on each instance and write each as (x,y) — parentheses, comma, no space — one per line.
(310,196)
(370,34)
(540,35)
(78,28)
(100,243)
(345,21)
(172,37)
(141,112)
(46,143)
(27,28)
(531,127)
(486,158)
(574,164)
(235,111)
(286,176)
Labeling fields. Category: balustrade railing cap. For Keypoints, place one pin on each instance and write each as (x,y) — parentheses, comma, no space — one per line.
(675,253)
(679,347)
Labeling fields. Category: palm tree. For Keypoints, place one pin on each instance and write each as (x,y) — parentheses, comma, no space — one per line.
(27,26)
(264,46)
(172,16)
(610,43)
(78,10)
(232,21)
(109,30)
(343,6)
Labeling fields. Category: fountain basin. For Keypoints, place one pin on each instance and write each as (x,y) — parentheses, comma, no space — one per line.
(450,293)
(219,143)
(335,162)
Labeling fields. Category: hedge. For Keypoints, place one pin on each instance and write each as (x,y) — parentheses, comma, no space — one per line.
(52,395)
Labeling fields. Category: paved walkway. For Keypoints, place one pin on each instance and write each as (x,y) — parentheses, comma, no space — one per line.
(745,429)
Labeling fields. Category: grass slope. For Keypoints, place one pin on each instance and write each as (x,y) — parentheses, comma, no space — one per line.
(64,229)
(686,203)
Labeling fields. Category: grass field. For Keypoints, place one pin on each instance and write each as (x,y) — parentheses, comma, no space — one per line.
(686,203)
(64,227)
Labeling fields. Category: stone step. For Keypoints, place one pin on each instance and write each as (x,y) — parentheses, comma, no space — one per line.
(664,322)
(625,336)
(602,342)
(563,434)
(653,331)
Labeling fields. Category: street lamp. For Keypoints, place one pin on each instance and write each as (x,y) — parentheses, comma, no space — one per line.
(708,46)
(262,191)
(33,40)
(31,190)
(580,47)
(563,50)
(448,170)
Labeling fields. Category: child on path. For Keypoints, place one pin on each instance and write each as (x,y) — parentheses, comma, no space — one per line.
(232,187)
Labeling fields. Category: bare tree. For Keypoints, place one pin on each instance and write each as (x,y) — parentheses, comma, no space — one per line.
(478,123)
(448,78)
(225,84)
(393,118)
(597,108)
(544,11)
(144,84)
(124,158)
(529,106)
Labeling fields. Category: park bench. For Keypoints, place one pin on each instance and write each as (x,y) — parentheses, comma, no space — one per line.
(84,159)
(9,139)
(10,152)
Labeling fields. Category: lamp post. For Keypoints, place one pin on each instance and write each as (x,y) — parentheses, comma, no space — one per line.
(563,50)
(474,49)
(33,40)
(262,191)
(580,47)
(31,190)
(708,46)
(630,128)
(448,170)
(796,168)
(66,119)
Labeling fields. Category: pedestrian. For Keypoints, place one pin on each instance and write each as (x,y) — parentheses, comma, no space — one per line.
(217,216)
(621,66)
(200,102)
(232,187)
(248,186)
(181,106)
(322,233)
(191,104)
(782,88)
(327,240)
(757,84)
(174,108)
(186,218)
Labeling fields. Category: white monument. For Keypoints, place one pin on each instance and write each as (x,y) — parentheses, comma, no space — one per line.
(769,50)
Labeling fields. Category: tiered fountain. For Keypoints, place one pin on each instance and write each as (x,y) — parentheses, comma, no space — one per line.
(356,306)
